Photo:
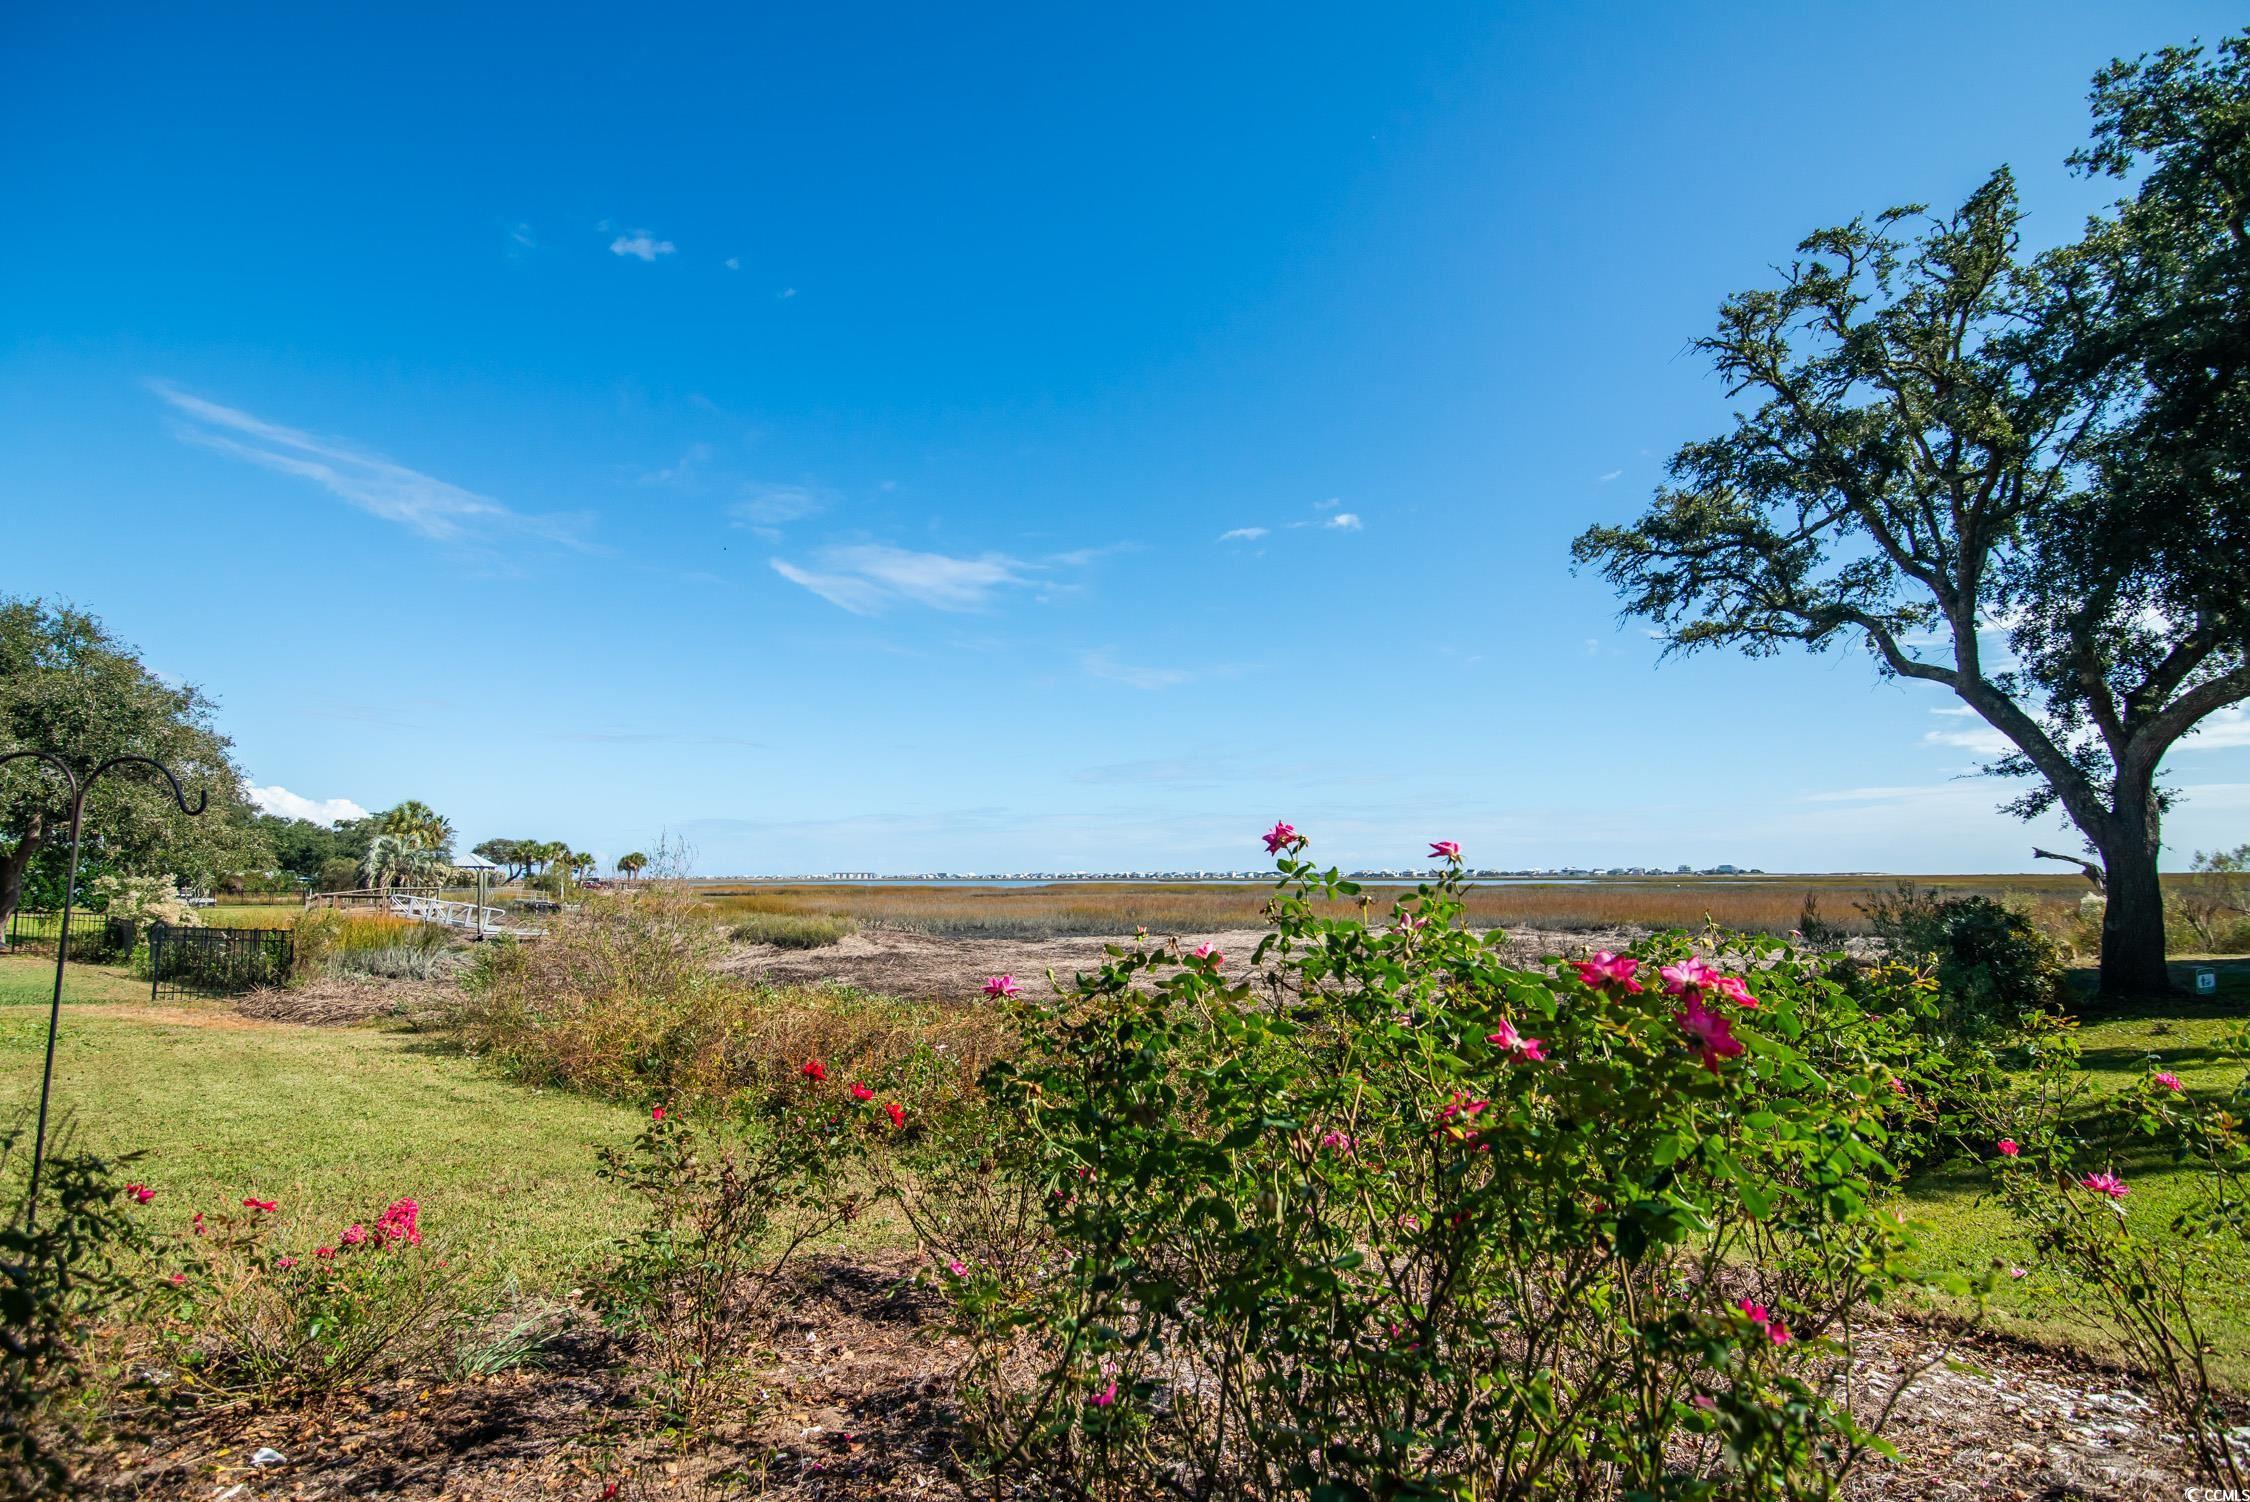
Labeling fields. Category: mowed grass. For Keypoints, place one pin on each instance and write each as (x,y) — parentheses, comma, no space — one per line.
(334,1123)
(252,915)
(1760,904)
(1965,1227)
(28,979)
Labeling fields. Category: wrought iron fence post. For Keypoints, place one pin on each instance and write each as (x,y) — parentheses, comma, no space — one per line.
(79,787)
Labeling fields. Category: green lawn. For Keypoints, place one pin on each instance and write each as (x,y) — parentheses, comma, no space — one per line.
(336,1122)
(1967,1228)
(332,1122)
(29,980)
(252,915)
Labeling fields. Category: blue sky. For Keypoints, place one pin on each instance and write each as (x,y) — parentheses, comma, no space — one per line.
(907,438)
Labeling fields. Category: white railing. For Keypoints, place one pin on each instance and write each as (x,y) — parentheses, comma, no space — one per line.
(462,915)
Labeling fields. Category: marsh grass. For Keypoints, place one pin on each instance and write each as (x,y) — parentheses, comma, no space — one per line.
(379,944)
(790,930)
(627,1000)
(1065,909)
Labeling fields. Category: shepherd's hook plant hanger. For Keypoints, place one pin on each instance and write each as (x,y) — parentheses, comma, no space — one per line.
(79,787)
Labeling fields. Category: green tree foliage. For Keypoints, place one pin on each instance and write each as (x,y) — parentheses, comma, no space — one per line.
(303,848)
(523,859)
(417,826)
(1945,439)
(395,860)
(68,686)
(1992,965)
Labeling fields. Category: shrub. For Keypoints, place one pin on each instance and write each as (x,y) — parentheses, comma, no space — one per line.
(2146,1291)
(1403,1220)
(1816,930)
(252,1318)
(142,900)
(55,1279)
(792,930)
(627,999)
(705,1271)
(2213,904)
(1992,964)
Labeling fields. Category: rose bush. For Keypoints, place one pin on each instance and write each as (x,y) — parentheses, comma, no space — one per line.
(2150,1292)
(1382,1215)
(731,1196)
(254,1314)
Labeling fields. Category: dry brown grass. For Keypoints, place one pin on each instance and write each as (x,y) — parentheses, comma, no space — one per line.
(626,999)
(1062,909)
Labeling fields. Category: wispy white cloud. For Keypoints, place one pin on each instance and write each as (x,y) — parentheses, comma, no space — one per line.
(2218,730)
(785,294)
(1941,792)
(1983,740)
(1102,663)
(684,470)
(435,508)
(1607,475)
(1242,534)
(1343,521)
(867,578)
(282,803)
(641,246)
(764,505)
(733,263)
(1080,557)
(1978,737)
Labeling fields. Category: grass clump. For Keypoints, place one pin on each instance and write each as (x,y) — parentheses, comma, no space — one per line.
(378,944)
(627,999)
(792,930)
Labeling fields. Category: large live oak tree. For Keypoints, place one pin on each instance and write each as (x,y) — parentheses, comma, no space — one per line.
(68,686)
(1950,444)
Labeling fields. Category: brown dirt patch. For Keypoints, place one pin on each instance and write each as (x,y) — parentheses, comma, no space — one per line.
(344,1000)
(856,1403)
(925,967)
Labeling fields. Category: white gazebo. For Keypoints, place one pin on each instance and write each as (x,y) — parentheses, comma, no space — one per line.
(483,869)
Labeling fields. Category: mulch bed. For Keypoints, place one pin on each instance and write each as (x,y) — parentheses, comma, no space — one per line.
(344,1000)
(855,1403)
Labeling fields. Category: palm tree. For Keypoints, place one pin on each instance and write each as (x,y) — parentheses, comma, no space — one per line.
(379,867)
(418,826)
(630,866)
(390,859)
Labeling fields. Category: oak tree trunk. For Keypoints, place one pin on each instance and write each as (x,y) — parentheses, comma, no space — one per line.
(13,865)
(2133,921)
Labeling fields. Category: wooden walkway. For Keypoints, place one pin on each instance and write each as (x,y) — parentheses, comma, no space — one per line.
(462,917)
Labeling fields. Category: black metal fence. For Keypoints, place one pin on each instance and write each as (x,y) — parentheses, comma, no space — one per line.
(93,937)
(203,961)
